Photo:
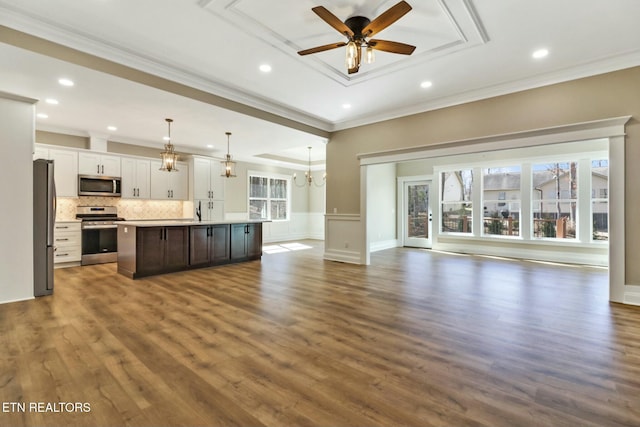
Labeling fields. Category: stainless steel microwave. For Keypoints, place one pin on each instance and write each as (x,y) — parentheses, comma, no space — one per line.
(96,185)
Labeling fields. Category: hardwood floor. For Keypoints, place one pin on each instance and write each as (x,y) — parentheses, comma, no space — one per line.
(418,338)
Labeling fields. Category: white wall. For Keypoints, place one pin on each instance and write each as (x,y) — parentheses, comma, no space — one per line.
(17,133)
(381,207)
(307,203)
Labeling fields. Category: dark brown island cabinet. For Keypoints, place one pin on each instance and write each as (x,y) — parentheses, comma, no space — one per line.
(246,241)
(147,248)
(209,245)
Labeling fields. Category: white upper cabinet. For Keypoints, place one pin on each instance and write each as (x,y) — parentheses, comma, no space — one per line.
(40,153)
(65,171)
(208,182)
(172,185)
(208,188)
(135,178)
(98,164)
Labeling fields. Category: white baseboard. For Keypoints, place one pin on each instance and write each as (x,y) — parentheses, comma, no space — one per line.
(632,294)
(383,244)
(350,257)
(17,300)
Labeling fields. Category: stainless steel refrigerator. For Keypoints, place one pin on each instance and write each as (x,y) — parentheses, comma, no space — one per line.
(44,216)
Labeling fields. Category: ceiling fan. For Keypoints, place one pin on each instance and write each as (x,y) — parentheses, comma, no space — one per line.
(358,31)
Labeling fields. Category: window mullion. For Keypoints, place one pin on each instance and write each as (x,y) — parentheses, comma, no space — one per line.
(476,202)
(584,223)
(526,197)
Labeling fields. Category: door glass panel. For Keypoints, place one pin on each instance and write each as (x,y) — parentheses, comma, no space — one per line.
(418,211)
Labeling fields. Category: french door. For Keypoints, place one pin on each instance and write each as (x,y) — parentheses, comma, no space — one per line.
(417,214)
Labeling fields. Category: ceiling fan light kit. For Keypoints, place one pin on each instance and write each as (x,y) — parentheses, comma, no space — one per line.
(358,31)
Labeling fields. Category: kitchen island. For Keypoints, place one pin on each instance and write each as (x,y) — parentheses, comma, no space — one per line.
(147,248)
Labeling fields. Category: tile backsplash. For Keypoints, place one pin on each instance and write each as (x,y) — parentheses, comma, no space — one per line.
(130,209)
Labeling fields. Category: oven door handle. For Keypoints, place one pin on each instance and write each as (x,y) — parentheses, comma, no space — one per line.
(98,227)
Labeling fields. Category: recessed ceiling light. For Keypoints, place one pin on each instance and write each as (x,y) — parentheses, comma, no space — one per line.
(51,101)
(346,106)
(42,115)
(66,82)
(425,84)
(209,146)
(540,53)
(265,68)
(112,128)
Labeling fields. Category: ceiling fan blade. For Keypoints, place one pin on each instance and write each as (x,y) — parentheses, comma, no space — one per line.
(390,16)
(333,20)
(393,47)
(322,48)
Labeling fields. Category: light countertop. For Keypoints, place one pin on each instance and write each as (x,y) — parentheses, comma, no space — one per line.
(184,222)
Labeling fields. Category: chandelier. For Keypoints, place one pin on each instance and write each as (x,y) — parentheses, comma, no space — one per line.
(169,156)
(228,164)
(308,178)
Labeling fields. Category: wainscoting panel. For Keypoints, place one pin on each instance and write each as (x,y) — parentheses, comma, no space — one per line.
(343,241)
(302,225)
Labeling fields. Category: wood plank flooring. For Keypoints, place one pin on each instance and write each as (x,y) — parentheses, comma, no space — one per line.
(419,338)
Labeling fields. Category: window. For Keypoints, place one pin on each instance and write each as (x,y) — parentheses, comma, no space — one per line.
(600,200)
(456,206)
(501,201)
(554,200)
(268,198)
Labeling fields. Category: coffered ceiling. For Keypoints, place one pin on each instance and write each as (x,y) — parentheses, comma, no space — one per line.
(466,50)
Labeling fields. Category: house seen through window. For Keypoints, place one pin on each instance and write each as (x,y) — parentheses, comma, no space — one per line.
(557,195)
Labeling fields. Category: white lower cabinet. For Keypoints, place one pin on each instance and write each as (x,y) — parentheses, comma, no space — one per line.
(67,241)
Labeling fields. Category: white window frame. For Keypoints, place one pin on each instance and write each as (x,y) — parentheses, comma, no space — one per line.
(269,177)
(579,160)
(442,203)
(505,201)
(583,226)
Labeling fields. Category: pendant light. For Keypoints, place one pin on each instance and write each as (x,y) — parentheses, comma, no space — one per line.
(228,164)
(352,55)
(308,178)
(169,157)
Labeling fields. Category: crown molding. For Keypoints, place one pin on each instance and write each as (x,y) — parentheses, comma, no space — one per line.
(601,66)
(13,18)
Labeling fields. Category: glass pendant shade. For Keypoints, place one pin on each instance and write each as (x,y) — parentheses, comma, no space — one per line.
(229,165)
(352,55)
(169,156)
(370,55)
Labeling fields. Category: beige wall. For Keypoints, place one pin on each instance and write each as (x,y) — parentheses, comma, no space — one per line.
(72,141)
(609,95)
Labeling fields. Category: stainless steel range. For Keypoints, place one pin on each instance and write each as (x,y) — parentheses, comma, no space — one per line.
(99,233)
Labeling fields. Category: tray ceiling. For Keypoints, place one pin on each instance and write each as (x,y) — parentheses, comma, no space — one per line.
(435,27)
